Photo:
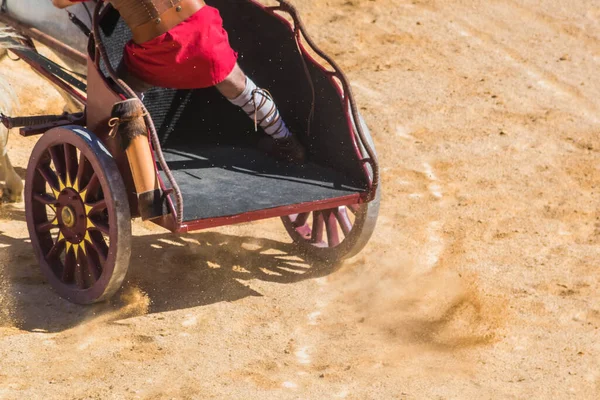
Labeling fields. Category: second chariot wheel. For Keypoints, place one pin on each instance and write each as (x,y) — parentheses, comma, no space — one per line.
(333,234)
(78,215)
(337,233)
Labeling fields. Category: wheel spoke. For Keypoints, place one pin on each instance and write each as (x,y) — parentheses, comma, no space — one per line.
(341,214)
(79,272)
(93,270)
(69,267)
(301,219)
(81,169)
(56,250)
(100,226)
(49,176)
(45,226)
(96,207)
(333,237)
(99,247)
(70,162)
(58,158)
(353,208)
(44,198)
(91,187)
(317,227)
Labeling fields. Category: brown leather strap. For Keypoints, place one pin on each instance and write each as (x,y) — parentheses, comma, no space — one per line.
(167,20)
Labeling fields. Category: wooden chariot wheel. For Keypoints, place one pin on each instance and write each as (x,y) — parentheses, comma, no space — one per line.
(333,234)
(337,233)
(78,215)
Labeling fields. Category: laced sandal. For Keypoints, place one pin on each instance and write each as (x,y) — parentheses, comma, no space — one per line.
(288,149)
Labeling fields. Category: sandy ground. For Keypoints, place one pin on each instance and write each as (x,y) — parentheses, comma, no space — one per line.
(481,280)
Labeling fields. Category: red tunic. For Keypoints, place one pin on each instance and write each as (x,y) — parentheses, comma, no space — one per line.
(194,54)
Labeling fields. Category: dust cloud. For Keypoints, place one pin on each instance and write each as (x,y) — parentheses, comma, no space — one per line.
(439,309)
(6,304)
(132,302)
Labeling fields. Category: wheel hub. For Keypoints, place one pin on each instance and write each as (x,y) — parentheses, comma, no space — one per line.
(68,217)
(72,215)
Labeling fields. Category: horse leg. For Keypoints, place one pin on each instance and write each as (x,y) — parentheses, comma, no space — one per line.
(3,142)
(13,188)
(13,185)
(2,168)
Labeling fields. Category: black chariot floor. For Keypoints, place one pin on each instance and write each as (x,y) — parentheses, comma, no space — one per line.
(222,180)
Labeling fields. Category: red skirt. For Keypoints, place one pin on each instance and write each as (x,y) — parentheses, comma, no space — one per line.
(194,54)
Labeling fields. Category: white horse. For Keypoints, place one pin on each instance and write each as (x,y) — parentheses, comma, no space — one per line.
(40,14)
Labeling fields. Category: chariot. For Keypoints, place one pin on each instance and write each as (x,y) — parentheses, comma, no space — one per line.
(80,192)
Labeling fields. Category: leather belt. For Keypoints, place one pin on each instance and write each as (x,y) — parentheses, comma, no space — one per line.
(165,21)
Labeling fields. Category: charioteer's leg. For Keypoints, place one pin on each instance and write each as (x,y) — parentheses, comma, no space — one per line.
(259,105)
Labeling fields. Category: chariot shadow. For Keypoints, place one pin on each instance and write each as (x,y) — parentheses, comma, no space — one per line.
(203,268)
(174,272)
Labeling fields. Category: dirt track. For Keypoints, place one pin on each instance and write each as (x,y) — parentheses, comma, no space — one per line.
(481,280)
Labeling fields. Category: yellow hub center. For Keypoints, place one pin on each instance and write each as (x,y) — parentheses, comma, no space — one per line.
(68,217)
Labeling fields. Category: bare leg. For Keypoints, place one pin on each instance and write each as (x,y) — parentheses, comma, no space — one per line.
(234,84)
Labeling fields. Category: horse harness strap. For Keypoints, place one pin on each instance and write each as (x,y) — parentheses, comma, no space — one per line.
(148,19)
(50,67)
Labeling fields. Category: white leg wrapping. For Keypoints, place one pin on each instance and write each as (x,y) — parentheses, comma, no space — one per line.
(259,105)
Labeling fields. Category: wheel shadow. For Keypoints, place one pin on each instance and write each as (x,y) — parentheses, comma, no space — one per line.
(167,271)
(204,268)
